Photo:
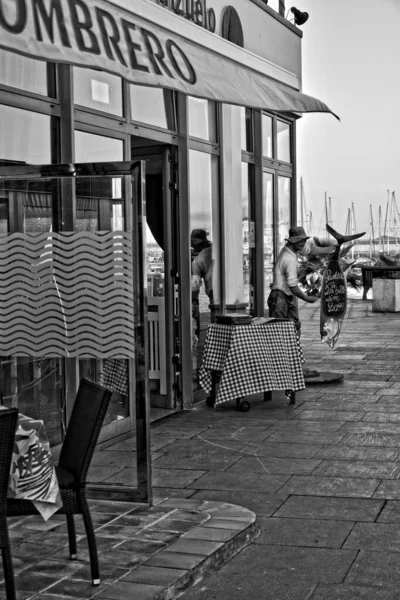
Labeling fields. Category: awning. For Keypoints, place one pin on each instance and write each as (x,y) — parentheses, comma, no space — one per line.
(102,35)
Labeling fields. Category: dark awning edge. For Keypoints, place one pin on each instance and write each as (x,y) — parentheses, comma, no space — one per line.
(184,66)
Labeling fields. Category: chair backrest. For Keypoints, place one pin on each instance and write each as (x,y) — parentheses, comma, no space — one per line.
(8,425)
(83,429)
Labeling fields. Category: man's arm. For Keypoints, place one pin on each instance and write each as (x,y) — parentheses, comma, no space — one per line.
(290,272)
(296,291)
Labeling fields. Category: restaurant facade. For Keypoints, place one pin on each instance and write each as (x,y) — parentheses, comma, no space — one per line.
(138,139)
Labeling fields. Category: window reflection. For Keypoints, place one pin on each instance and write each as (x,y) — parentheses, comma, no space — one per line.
(25,136)
(202,119)
(153,106)
(274,4)
(248,235)
(204,240)
(23,73)
(267,136)
(283,141)
(284,201)
(268,211)
(90,147)
(98,90)
(246,130)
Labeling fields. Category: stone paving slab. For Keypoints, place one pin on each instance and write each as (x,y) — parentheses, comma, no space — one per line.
(335,509)
(318,533)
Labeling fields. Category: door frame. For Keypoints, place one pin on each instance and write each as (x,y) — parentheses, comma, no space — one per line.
(172,281)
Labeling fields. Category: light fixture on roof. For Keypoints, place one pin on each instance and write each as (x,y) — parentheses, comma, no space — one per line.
(300,17)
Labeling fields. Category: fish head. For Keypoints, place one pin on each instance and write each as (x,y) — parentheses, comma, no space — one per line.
(330,331)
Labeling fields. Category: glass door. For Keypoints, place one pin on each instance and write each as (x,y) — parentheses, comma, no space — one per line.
(72,299)
(163,283)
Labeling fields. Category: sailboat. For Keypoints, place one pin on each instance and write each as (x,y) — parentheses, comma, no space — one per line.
(390,234)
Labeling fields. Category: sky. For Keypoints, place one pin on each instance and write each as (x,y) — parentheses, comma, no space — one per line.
(351,61)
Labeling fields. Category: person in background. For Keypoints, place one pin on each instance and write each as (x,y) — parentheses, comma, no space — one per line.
(201,272)
(282,300)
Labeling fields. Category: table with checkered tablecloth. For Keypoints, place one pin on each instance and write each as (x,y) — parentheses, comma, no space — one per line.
(252,359)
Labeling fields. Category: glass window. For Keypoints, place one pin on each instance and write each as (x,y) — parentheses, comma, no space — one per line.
(267,136)
(153,106)
(202,119)
(25,136)
(204,240)
(91,147)
(283,141)
(284,202)
(246,129)
(23,73)
(274,4)
(34,385)
(4,224)
(248,236)
(268,211)
(98,90)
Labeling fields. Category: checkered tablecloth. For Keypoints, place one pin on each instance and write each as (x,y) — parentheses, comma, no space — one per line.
(115,375)
(252,359)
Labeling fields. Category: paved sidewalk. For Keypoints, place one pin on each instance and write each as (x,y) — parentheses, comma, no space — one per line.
(322,478)
(145,553)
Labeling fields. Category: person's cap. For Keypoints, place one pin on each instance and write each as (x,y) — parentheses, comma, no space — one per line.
(198,235)
(297,234)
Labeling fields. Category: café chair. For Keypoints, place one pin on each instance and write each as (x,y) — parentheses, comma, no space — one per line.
(8,425)
(80,440)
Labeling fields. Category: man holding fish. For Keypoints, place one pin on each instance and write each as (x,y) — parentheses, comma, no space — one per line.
(282,301)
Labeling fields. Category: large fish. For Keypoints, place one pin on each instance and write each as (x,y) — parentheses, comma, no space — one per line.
(334,291)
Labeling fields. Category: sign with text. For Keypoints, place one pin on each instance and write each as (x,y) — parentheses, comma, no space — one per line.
(333,302)
(101,35)
(193,10)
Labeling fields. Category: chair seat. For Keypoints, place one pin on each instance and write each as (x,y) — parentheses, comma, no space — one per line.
(66,481)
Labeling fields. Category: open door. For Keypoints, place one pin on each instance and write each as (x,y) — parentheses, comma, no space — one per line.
(163,282)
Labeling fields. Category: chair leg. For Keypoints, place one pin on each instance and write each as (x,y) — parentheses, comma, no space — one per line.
(8,573)
(91,539)
(71,536)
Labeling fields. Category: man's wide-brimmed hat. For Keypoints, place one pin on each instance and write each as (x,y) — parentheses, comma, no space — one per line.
(297,234)
(198,235)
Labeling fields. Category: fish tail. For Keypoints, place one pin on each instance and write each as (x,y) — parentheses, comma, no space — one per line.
(342,239)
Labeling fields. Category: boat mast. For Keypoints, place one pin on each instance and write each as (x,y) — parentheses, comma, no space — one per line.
(380,229)
(348,223)
(371,230)
(386,229)
(353,225)
(390,227)
(326,211)
(395,215)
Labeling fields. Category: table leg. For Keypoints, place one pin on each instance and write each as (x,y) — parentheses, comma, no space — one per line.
(268,396)
(215,379)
